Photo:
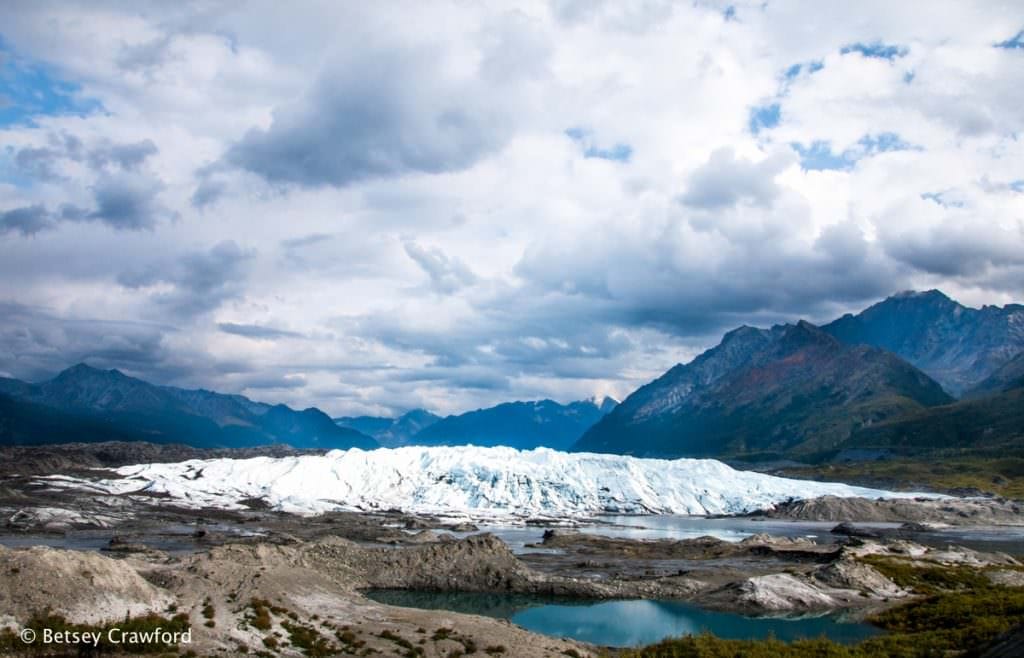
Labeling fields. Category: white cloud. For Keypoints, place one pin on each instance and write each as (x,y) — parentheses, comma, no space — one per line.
(429,146)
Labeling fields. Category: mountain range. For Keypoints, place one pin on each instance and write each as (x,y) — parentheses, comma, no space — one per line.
(84,404)
(391,432)
(881,378)
(913,373)
(523,425)
(790,389)
(956,345)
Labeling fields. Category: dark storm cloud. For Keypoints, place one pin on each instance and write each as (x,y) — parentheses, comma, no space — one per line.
(463,377)
(42,163)
(447,275)
(625,282)
(587,311)
(127,201)
(199,282)
(514,334)
(385,114)
(725,180)
(27,220)
(36,343)
(952,250)
(126,156)
(207,192)
(124,198)
(255,331)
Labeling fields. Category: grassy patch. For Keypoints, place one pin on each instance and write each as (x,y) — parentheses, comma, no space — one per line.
(259,614)
(309,640)
(1000,476)
(469,646)
(350,642)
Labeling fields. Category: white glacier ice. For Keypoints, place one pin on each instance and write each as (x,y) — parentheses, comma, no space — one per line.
(485,483)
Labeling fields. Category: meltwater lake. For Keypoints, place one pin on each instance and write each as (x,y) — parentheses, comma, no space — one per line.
(625,623)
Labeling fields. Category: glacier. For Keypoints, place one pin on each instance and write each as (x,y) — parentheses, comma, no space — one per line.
(482,483)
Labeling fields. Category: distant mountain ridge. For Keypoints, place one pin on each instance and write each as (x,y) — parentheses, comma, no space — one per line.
(1008,377)
(791,389)
(391,432)
(956,345)
(84,403)
(522,425)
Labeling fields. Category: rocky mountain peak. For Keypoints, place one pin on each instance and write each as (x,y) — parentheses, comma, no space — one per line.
(957,345)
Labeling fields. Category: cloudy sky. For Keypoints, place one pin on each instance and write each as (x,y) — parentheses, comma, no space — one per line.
(370,207)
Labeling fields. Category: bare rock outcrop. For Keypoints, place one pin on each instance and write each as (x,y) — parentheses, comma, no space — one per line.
(960,511)
(854,575)
(777,592)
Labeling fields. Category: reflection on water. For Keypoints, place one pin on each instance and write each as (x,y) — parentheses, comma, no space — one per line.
(624,623)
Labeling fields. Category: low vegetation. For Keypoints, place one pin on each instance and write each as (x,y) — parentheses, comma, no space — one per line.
(308,640)
(958,614)
(1003,476)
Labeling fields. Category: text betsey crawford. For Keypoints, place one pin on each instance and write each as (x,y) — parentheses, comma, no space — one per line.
(112,636)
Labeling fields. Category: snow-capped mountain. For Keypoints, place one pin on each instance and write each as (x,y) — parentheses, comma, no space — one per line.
(499,483)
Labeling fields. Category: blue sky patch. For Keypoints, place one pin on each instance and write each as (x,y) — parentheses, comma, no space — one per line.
(1016,43)
(875,49)
(1017,186)
(577,134)
(30,89)
(766,116)
(618,152)
(730,13)
(810,67)
(819,157)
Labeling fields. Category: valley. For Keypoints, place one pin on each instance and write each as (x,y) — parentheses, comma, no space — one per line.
(275,573)
(790,481)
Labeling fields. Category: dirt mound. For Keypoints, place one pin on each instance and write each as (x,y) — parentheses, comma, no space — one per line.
(83,587)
